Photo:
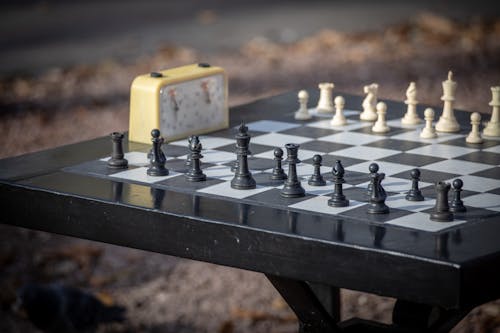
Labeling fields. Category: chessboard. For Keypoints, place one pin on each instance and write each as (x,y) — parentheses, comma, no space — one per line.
(398,151)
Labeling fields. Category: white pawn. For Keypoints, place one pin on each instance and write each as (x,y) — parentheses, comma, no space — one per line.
(369,103)
(325,104)
(411,116)
(303,112)
(493,126)
(339,118)
(428,132)
(474,136)
(381,125)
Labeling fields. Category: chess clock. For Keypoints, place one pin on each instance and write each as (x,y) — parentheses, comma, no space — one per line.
(180,102)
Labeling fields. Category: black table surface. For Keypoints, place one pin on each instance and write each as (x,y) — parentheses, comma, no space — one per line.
(452,269)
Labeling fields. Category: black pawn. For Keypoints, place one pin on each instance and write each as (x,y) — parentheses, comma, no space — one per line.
(278,172)
(316,178)
(377,197)
(195,174)
(292,187)
(243,179)
(117,160)
(441,212)
(457,205)
(157,162)
(338,198)
(414,194)
(373,168)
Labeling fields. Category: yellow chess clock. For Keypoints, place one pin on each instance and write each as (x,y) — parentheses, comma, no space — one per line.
(180,102)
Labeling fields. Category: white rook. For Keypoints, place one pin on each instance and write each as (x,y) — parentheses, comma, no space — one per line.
(325,103)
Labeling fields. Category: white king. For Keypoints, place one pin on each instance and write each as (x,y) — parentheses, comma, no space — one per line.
(493,126)
(447,122)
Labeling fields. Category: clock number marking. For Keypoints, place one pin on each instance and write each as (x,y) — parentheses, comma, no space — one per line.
(205,87)
(173,100)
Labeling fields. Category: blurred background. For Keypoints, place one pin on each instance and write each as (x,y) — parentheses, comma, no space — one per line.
(65,74)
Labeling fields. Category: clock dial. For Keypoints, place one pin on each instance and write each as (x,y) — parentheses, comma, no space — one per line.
(192,105)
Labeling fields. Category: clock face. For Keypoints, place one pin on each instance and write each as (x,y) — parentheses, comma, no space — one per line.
(191,106)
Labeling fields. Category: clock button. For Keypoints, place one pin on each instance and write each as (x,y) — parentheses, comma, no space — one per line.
(156,74)
(203,64)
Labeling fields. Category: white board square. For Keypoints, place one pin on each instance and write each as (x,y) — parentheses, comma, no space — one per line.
(351,138)
(388,168)
(279,140)
(478,184)
(457,166)
(399,201)
(484,200)
(351,124)
(422,221)
(415,136)
(319,204)
(440,150)
(270,126)
(140,175)
(366,153)
(224,189)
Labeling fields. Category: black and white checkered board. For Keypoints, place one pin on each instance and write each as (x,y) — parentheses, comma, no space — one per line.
(442,159)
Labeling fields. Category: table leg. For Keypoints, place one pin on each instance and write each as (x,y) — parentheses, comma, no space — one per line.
(312,315)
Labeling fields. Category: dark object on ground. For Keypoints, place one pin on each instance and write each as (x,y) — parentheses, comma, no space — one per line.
(57,308)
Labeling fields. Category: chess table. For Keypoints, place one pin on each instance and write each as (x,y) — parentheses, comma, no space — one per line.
(437,271)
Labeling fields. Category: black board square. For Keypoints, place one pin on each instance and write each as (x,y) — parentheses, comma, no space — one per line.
(412,159)
(95,168)
(481,157)
(323,146)
(392,131)
(429,176)
(264,179)
(489,173)
(330,159)
(257,163)
(462,143)
(361,213)
(402,145)
(273,197)
(430,192)
(254,148)
(180,183)
(309,132)
(175,150)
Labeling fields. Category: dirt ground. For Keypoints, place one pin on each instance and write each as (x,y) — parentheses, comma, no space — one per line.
(166,294)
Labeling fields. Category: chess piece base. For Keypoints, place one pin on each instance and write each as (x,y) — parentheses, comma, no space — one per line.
(157,171)
(378,208)
(278,175)
(380,129)
(457,208)
(409,120)
(492,129)
(324,109)
(368,115)
(117,163)
(196,177)
(316,181)
(414,196)
(473,139)
(243,182)
(302,116)
(293,191)
(338,202)
(338,121)
(441,216)
(428,134)
(447,125)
